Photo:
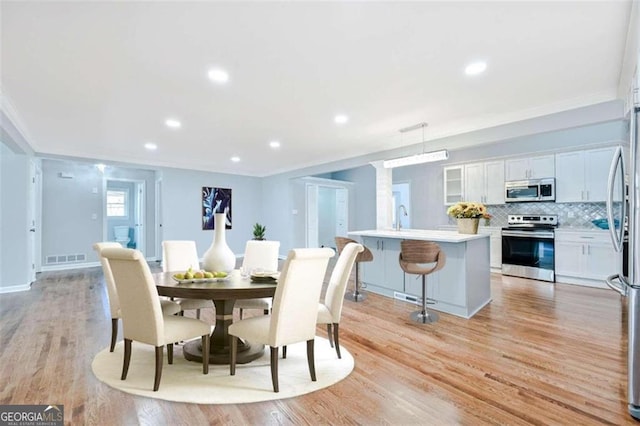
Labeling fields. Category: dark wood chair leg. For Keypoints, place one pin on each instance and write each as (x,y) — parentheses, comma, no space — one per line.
(205,354)
(170,353)
(336,339)
(234,353)
(311,359)
(126,359)
(274,368)
(198,313)
(241,312)
(114,333)
(284,352)
(330,334)
(156,380)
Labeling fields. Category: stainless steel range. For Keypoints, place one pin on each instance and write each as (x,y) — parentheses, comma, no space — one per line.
(528,246)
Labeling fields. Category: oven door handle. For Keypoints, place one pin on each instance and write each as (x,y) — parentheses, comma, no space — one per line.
(537,234)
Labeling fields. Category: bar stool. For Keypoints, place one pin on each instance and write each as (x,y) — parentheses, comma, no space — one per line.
(419,257)
(365,256)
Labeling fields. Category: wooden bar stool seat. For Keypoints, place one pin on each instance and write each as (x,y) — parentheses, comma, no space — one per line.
(364,256)
(422,258)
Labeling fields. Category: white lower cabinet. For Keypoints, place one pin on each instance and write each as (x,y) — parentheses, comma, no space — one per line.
(495,245)
(585,257)
(384,271)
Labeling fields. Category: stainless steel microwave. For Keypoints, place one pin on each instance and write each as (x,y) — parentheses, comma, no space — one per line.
(518,191)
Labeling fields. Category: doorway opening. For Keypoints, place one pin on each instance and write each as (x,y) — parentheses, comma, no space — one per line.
(327,210)
(124,213)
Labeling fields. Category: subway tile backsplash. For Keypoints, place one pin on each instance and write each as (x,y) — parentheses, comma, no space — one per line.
(571,215)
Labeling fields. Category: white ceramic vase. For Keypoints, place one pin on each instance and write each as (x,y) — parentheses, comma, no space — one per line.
(219,256)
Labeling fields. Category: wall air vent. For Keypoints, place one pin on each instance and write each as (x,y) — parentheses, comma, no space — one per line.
(407,298)
(65,258)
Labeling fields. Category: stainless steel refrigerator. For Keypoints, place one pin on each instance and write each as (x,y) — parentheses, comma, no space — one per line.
(623,211)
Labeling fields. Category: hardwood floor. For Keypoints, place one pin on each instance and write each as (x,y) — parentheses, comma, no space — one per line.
(538,354)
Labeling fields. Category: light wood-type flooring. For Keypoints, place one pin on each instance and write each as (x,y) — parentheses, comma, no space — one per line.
(540,353)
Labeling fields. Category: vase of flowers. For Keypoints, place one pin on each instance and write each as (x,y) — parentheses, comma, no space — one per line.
(468,215)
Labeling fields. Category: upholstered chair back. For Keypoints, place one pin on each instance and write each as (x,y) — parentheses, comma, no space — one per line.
(139,303)
(334,296)
(294,312)
(421,257)
(260,254)
(178,256)
(114,302)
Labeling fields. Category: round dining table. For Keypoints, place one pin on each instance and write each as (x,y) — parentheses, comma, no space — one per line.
(223,293)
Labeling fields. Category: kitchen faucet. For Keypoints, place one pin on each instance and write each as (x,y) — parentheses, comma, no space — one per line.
(404,209)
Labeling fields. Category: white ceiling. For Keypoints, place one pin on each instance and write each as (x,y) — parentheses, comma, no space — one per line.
(98,79)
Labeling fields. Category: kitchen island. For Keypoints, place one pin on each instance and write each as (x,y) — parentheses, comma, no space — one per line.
(461,288)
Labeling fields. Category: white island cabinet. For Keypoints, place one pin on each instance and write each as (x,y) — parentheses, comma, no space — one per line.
(461,288)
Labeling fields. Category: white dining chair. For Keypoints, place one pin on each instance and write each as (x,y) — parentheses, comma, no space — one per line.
(142,316)
(168,307)
(294,314)
(259,255)
(330,311)
(179,256)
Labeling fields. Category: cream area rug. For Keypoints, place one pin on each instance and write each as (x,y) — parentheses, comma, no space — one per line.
(183,381)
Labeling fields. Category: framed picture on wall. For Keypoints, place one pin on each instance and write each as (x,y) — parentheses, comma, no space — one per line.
(215,200)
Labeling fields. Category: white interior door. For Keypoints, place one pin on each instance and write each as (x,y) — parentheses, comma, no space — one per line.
(139,228)
(312,215)
(33,222)
(159,233)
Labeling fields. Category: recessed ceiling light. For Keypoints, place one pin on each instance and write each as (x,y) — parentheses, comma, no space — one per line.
(475,68)
(235,159)
(341,119)
(173,123)
(151,146)
(218,75)
(274,144)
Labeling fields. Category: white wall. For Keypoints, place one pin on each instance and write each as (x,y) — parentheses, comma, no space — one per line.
(73,209)
(182,207)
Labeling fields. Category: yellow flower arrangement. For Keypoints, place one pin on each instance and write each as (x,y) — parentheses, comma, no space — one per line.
(469,210)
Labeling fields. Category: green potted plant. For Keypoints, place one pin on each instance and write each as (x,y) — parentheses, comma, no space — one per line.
(259,231)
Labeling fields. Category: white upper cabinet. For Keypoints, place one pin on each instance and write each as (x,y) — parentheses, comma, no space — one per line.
(474,182)
(484,182)
(530,168)
(453,184)
(582,175)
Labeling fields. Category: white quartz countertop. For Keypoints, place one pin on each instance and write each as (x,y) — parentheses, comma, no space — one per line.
(420,234)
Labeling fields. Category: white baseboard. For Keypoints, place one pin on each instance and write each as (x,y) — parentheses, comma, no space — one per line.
(580,281)
(67,266)
(15,288)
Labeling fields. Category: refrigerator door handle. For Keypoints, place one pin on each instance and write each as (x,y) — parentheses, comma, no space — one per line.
(611,282)
(615,238)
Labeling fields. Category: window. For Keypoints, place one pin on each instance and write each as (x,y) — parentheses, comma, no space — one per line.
(117,202)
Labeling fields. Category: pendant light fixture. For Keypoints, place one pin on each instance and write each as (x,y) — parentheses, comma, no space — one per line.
(425,157)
